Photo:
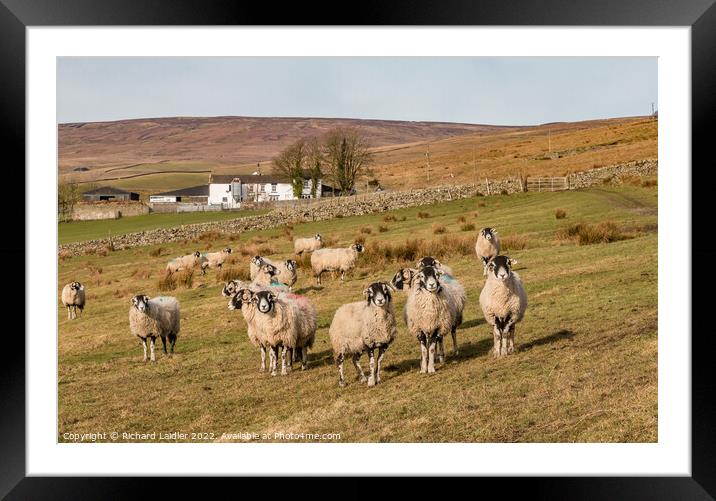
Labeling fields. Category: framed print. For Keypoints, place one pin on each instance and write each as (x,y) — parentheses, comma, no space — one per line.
(426,244)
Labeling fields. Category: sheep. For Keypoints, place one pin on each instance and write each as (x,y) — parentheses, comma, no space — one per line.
(214,259)
(403,280)
(281,322)
(184,262)
(503,301)
(364,326)
(431,261)
(286,270)
(301,245)
(487,246)
(242,299)
(342,260)
(266,275)
(429,313)
(73,297)
(149,318)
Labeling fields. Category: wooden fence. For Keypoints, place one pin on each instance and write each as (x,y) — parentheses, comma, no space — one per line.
(547,183)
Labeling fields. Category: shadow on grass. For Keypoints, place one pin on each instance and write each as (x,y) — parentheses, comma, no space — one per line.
(310,288)
(471,323)
(467,351)
(557,336)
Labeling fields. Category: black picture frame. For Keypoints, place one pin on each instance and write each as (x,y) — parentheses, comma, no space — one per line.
(700,15)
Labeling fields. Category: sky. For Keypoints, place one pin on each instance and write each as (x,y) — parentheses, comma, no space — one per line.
(498,90)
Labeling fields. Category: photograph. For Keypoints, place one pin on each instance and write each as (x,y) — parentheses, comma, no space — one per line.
(357,249)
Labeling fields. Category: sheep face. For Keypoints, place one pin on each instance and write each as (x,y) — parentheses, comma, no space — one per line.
(269,269)
(488,233)
(229,289)
(227,250)
(264,301)
(501,267)
(75,286)
(257,260)
(239,298)
(357,247)
(428,261)
(291,264)
(196,254)
(403,279)
(318,237)
(141,302)
(429,279)
(378,293)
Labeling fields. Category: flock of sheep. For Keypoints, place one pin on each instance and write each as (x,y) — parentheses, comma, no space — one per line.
(284,324)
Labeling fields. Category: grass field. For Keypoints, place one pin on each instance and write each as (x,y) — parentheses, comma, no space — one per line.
(75,231)
(585,369)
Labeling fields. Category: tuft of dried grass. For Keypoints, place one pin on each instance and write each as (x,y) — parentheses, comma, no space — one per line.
(588,234)
(467,227)
(211,235)
(390,218)
(156,252)
(360,239)
(367,230)
(64,254)
(228,273)
(514,242)
(382,228)
(560,213)
(170,281)
(461,219)
(439,229)
(423,215)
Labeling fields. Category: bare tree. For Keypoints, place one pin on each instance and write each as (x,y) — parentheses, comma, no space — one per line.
(290,164)
(347,156)
(68,194)
(316,159)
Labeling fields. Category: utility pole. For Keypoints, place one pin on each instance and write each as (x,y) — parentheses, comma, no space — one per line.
(652,109)
(549,139)
(427,164)
(474,164)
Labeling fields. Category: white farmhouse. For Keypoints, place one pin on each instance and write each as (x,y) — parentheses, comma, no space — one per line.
(229,190)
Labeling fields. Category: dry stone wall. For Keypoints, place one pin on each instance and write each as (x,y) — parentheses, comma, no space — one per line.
(346,206)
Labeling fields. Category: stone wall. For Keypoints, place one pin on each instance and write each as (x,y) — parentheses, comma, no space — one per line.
(329,208)
(88,211)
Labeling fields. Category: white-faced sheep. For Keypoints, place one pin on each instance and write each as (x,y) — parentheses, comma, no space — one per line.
(504,302)
(281,323)
(342,260)
(487,245)
(301,245)
(214,259)
(285,270)
(73,297)
(184,262)
(403,280)
(364,326)
(152,318)
(429,313)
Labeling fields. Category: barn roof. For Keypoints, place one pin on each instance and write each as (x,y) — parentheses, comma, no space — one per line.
(193,191)
(106,190)
(252,178)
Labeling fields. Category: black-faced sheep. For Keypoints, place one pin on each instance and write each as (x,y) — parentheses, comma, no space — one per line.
(184,262)
(364,326)
(342,260)
(504,302)
(429,314)
(285,270)
(152,318)
(73,297)
(281,322)
(301,245)
(487,245)
(403,280)
(431,261)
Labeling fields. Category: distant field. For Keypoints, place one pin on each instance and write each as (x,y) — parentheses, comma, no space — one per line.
(76,231)
(585,369)
(153,183)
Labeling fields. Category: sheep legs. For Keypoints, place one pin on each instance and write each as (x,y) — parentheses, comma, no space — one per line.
(164,344)
(339,363)
(273,357)
(286,360)
(172,342)
(304,358)
(69,313)
(263,359)
(455,350)
(423,354)
(151,349)
(371,362)
(504,337)
(144,345)
(433,341)
(381,354)
(359,370)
